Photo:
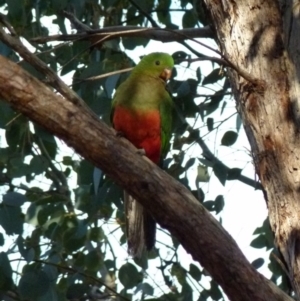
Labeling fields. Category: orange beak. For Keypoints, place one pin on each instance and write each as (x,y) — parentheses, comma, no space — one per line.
(166,74)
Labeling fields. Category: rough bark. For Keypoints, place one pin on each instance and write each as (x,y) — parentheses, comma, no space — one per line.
(171,203)
(263,38)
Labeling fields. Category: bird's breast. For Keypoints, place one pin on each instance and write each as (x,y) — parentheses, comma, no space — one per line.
(142,129)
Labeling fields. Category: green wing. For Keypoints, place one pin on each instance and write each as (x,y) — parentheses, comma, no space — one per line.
(166,108)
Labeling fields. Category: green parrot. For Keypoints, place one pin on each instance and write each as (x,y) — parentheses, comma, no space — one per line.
(142,113)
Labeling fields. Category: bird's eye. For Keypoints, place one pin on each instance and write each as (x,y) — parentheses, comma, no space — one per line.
(157,63)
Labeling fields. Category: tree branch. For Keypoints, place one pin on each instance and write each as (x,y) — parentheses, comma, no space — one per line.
(113,32)
(171,203)
(208,155)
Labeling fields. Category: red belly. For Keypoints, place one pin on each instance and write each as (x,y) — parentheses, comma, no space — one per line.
(141,129)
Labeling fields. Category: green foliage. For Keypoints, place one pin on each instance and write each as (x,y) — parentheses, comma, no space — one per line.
(11,219)
(129,276)
(264,238)
(213,77)
(33,284)
(64,217)
(6,281)
(189,19)
(229,138)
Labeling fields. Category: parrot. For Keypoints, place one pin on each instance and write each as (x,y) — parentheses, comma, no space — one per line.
(142,113)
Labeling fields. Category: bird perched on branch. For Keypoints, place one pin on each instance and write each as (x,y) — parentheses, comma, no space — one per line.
(142,113)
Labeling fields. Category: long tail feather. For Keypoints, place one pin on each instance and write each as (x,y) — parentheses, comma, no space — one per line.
(149,230)
(140,227)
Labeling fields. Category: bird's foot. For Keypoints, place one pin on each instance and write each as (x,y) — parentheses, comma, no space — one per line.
(141,152)
(120,134)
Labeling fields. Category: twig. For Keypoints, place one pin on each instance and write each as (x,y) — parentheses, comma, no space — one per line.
(4,21)
(207,154)
(150,19)
(203,57)
(226,62)
(57,176)
(92,78)
(77,24)
(74,271)
(11,295)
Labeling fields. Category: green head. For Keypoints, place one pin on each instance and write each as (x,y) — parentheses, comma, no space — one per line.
(156,64)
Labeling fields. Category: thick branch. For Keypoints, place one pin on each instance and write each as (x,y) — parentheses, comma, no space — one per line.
(171,203)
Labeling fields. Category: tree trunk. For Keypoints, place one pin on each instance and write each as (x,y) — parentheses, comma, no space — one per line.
(262,38)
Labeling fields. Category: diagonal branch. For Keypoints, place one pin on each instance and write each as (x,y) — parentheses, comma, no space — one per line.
(170,202)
